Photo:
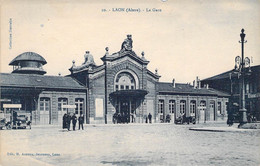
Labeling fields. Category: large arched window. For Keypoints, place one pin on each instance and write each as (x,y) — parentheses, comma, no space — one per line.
(125,81)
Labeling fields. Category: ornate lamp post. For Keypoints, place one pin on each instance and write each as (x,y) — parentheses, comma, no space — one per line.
(240,65)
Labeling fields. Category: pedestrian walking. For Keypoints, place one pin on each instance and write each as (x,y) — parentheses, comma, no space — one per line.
(81,121)
(68,121)
(74,121)
(150,118)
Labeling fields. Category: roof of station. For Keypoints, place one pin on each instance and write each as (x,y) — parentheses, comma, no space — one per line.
(28,56)
(165,87)
(225,75)
(39,81)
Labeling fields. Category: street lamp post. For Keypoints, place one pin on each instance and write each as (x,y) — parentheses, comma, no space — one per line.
(241,63)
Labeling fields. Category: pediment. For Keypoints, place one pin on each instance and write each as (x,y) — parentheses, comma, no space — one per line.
(118,56)
(123,60)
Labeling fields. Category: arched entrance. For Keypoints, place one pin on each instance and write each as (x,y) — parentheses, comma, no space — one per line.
(125,103)
(126,97)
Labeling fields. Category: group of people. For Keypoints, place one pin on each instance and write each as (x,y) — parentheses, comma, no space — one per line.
(149,117)
(67,119)
(128,118)
(122,118)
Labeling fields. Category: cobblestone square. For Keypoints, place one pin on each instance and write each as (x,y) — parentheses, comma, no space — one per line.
(132,144)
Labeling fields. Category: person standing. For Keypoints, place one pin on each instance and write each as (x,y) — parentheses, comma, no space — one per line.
(64,121)
(81,121)
(68,121)
(74,121)
(150,118)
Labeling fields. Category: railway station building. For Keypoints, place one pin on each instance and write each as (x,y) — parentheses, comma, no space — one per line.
(123,84)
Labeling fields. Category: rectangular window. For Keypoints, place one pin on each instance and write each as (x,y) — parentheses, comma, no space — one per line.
(61,102)
(203,105)
(122,87)
(132,87)
(171,106)
(192,108)
(116,87)
(44,104)
(182,107)
(41,106)
(126,87)
(219,108)
(160,106)
(79,106)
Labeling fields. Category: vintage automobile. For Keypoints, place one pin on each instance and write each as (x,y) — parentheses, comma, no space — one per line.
(3,122)
(168,118)
(185,120)
(21,121)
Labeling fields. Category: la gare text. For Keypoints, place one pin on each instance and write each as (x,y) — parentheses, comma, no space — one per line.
(132,10)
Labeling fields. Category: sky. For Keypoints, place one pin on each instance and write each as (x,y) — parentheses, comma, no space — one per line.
(183,39)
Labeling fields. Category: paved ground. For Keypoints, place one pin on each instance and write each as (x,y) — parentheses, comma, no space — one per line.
(134,144)
(222,128)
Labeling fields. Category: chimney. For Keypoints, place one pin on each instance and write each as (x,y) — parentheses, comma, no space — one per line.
(199,83)
(173,83)
(194,84)
(207,86)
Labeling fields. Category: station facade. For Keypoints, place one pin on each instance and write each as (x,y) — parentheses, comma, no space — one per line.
(123,85)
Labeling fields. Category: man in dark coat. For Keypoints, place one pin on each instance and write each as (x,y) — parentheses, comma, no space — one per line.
(74,121)
(68,121)
(81,121)
(64,121)
(150,118)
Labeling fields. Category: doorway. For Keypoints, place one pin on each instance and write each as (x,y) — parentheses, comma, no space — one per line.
(212,110)
(126,111)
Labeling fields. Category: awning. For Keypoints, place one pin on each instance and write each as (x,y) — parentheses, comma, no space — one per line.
(129,93)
